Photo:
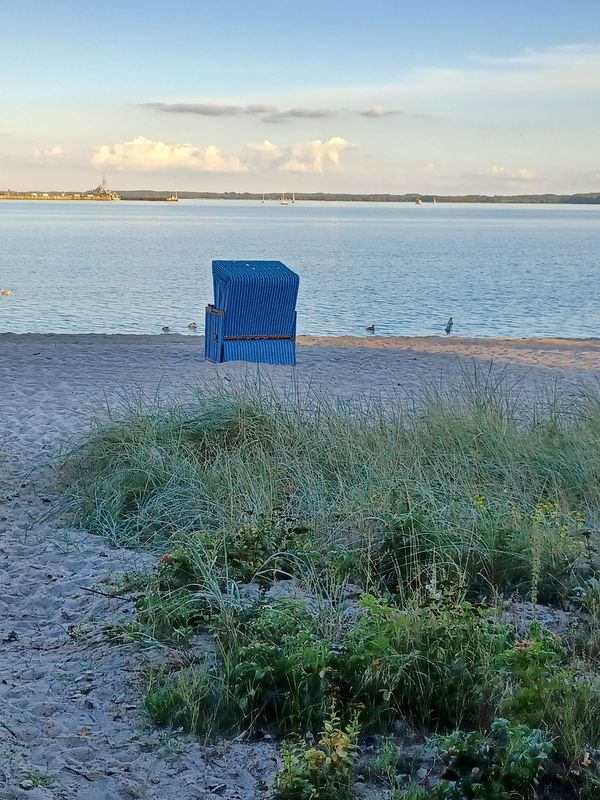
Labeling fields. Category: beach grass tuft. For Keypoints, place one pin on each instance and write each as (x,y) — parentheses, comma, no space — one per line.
(350,566)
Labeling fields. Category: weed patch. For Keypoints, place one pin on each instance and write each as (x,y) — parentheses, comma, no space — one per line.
(432,517)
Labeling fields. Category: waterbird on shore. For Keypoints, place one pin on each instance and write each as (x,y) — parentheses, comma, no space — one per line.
(192,326)
(165,329)
(449,325)
(371,328)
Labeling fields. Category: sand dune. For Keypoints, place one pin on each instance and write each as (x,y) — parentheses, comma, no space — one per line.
(69,703)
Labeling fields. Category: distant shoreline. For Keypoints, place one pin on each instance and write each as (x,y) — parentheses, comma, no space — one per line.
(587,198)
(547,199)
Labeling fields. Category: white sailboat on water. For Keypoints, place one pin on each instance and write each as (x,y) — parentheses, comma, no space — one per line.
(284,200)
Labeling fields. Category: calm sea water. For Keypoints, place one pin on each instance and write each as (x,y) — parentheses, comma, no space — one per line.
(499,270)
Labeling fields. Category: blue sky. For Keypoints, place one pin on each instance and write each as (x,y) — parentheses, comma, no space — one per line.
(435,96)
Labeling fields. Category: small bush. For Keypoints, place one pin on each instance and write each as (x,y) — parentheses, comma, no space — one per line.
(284,664)
(431,664)
(279,669)
(504,764)
(545,690)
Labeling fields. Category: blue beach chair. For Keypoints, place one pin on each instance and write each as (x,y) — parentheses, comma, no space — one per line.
(254,313)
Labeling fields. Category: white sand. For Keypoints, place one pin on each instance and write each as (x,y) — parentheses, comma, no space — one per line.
(69,701)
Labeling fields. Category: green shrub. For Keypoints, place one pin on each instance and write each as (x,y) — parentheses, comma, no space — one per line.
(285,662)
(433,664)
(506,763)
(535,667)
(545,690)
(279,669)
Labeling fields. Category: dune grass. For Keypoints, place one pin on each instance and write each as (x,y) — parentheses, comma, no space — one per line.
(465,488)
(432,515)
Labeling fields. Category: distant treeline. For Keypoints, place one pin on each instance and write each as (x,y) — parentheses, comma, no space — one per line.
(589,197)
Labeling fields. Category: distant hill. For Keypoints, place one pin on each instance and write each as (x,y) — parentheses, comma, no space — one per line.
(576,199)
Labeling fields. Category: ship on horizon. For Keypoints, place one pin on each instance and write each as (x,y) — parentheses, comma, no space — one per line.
(101,193)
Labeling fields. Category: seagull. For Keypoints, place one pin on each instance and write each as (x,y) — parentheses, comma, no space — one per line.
(165,329)
(371,328)
(192,326)
(449,325)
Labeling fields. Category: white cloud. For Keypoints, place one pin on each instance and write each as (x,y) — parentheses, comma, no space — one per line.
(316,156)
(265,150)
(518,174)
(50,155)
(145,155)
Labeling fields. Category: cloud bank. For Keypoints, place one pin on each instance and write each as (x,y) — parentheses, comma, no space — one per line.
(265,150)
(269,113)
(376,112)
(211,109)
(300,113)
(145,155)
(316,156)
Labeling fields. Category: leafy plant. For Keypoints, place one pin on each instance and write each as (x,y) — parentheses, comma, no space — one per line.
(279,671)
(534,666)
(321,772)
(432,662)
(505,763)
(587,596)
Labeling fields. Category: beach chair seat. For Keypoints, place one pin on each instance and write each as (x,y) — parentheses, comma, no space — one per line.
(253,317)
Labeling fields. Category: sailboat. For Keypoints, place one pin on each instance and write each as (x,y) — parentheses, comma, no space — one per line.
(293,197)
(284,202)
(263,200)
(434,201)
(418,201)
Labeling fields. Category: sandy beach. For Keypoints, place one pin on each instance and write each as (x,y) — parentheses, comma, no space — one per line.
(49,382)
(69,699)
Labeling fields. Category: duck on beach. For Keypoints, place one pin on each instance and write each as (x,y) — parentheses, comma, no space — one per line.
(371,328)
(165,329)
(449,325)
(192,326)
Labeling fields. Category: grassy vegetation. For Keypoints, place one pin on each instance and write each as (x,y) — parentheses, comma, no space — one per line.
(403,531)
